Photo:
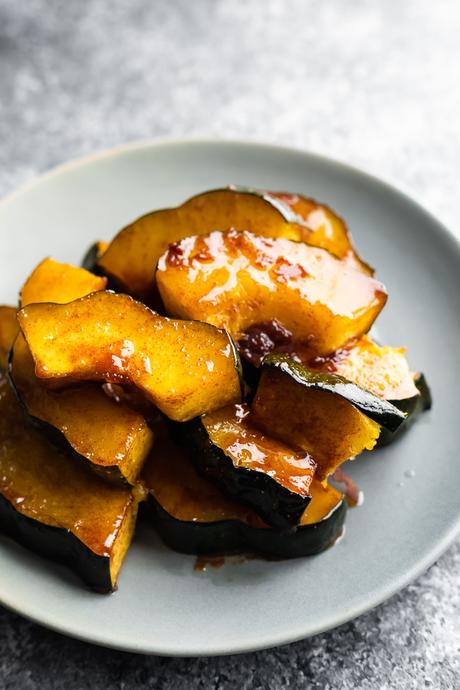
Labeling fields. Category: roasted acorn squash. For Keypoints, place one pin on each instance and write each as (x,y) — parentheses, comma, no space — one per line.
(329,417)
(327,229)
(236,279)
(53,281)
(132,255)
(185,368)
(56,507)
(111,437)
(193,516)
(260,471)
(384,371)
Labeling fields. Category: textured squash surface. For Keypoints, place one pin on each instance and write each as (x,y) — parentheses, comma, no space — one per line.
(383,370)
(192,515)
(327,229)
(237,279)
(185,368)
(172,478)
(133,254)
(230,429)
(325,424)
(52,281)
(247,464)
(112,437)
(55,506)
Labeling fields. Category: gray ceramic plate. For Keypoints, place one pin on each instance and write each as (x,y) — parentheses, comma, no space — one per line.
(163,606)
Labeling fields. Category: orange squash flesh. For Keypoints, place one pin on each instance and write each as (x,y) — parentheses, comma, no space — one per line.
(230,429)
(52,281)
(327,229)
(111,437)
(382,370)
(324,425)
(193,516)
(133,254)
(172,478)
(56,506)
(184,368)
(237,279)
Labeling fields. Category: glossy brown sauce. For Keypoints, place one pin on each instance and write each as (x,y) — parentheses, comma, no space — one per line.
(232,430)
(353,493)
(178,365)
(237,279)
(262,339)
(48,486)
(203,563)
(331,363)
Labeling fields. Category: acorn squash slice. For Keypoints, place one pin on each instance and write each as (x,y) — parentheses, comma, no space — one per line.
(109,436)
(112,438)
(236,279)
(326,229)
(185,368)
(58,508)
(52,281)
(384,371)
(260,471)
(324,414)
(132,256)
(193,516)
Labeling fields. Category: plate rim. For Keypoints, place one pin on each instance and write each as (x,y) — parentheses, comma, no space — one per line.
(382,594)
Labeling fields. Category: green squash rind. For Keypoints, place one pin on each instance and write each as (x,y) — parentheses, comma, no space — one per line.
(57,544)
(111,473)
(381,411)
(412,407)
(226,537)
(275,504)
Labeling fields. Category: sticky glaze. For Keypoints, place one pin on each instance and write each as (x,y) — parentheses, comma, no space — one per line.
(232,430)
(236,280)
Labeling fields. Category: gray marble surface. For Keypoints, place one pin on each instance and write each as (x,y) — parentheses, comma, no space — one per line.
(371,82)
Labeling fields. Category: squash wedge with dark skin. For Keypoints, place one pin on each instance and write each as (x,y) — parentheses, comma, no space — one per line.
(113,439)
(93,256)
(109,436)
(57,507)
(412,408)
(380,369)
(384,371)
(237,279)
(52,281)
(132,256)
(192,515)
(185,368)
(260,471)
(323,414)
(327,229)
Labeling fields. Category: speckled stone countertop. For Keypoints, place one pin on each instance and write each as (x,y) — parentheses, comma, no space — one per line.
(371,82)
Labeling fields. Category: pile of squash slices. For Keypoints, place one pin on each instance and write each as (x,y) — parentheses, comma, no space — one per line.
(211,365)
